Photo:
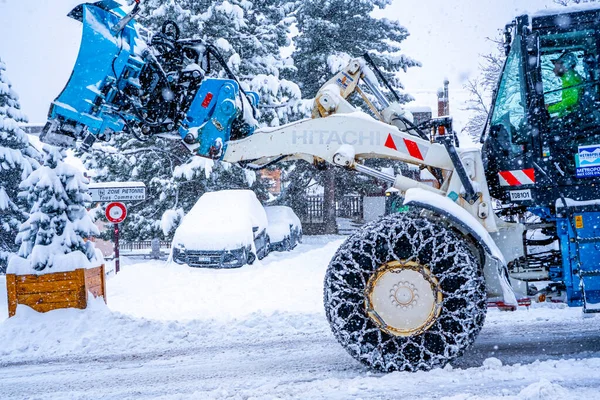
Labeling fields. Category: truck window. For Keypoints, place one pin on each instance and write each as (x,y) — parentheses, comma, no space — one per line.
(508,118)
(570,98)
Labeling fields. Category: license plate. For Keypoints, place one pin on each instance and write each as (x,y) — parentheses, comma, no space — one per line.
(199,259)
(520,195)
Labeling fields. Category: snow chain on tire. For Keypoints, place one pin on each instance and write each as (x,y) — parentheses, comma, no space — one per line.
(406,293)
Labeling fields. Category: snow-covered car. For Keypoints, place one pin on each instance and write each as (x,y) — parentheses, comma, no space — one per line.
(224,229)
(284,229)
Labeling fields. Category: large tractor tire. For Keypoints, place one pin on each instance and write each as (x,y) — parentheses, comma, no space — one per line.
(406,293)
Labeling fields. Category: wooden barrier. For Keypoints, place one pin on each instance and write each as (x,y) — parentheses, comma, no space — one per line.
(55,290)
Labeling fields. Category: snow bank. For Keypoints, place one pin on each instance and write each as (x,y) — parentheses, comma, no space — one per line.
(60,262)
(98,331)
(259,332)
(288,282)
(153,306)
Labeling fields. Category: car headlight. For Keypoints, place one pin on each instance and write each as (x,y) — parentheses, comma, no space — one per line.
(229,257)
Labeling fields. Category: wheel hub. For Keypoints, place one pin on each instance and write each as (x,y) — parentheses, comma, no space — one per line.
(403,298)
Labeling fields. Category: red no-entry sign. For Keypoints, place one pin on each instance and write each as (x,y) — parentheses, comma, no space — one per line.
(116,212)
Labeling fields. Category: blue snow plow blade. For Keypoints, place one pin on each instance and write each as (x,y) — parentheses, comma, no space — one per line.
(85,101)
(127,79)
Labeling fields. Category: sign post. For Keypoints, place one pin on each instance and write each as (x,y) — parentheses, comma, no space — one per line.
(116,240)
(116,213)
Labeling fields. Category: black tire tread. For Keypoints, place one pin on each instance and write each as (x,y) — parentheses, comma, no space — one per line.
(413,236)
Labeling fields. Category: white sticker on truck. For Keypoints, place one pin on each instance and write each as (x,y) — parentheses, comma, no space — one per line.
(520,195)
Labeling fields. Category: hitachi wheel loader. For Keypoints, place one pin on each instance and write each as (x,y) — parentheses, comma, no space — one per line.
(409,291)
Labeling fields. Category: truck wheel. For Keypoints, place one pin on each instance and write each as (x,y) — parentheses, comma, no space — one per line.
(406,293)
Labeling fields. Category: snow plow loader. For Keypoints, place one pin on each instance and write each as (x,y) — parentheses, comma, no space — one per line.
(409,291)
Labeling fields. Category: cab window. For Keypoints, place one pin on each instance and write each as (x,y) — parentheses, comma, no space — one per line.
(508,127)
(572,98)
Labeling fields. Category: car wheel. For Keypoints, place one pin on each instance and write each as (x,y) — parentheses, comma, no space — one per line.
(250,258)
(287,244)
(265,250)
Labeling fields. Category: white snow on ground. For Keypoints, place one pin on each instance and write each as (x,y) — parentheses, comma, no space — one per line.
(259,332)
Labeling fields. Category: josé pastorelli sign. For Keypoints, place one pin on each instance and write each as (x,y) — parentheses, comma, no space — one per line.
(117,191)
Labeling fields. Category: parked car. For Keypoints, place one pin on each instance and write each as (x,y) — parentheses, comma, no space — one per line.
(284,229)
(224,229)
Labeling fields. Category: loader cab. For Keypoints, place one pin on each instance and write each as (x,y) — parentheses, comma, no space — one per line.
(534,156)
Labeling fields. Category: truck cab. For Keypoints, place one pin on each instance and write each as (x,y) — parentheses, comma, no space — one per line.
(533,156)
(541,149)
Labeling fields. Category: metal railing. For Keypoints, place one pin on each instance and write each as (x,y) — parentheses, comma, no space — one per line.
(144,245)
(347,207)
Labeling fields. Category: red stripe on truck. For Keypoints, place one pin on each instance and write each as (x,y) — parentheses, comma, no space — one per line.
(413,149)
(509,178)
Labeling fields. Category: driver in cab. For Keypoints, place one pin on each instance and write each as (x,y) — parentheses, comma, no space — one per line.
(564,68)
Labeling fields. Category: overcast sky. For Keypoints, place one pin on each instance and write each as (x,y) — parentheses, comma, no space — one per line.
(39,44)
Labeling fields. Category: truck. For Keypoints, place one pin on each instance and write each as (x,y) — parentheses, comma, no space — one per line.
(409,291)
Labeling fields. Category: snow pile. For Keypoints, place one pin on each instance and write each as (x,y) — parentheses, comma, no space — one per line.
(281,218)
(170,220)
(338,61)
(221,220)
(544,389)
(192,168)
(98,331)
(187,307)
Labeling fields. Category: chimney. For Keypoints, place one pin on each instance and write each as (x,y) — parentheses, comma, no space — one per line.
(443,100)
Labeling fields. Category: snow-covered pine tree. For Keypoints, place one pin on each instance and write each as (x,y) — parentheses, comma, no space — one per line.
(334,31)
(17,160)
(53,239)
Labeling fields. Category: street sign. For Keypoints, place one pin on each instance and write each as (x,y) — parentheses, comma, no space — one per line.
(117,191)
(116,212)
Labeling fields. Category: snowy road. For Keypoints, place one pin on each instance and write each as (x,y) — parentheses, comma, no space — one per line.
(260,332)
